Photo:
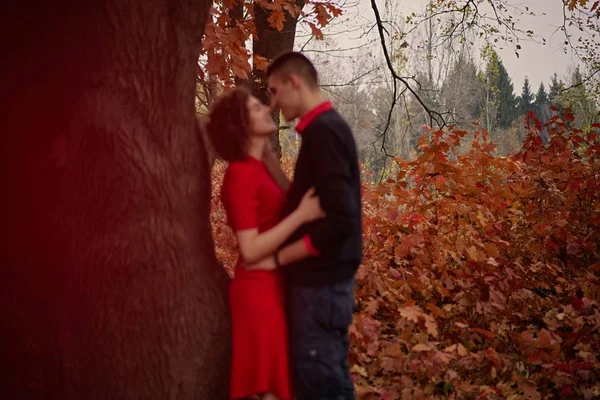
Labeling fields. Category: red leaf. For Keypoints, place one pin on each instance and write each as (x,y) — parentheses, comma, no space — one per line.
(577,304)
(569,117)
(316,31)
(566,391)
(334,10)
(484,332)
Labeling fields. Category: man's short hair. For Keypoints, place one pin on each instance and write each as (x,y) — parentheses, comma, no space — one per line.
(296,63)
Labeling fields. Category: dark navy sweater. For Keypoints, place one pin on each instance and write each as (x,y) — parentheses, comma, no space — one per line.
(328,160)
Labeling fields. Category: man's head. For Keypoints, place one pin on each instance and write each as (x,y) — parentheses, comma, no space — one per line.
(292,80)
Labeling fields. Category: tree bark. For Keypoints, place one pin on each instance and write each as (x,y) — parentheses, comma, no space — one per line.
(269,43)
(112,289)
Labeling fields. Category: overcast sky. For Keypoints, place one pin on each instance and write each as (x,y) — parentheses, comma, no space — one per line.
(536,61)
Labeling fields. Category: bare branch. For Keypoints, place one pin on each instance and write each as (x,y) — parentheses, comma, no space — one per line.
(434,116)
(583,81)
(353,80)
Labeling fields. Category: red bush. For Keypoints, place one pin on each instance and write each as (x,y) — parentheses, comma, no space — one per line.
(480,277)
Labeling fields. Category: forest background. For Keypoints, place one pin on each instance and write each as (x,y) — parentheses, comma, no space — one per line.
(480,192)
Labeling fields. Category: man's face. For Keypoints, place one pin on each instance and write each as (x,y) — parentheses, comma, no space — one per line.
(284,96)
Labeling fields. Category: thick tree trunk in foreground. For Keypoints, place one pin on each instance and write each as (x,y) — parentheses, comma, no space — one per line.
(269,43)
(112,289)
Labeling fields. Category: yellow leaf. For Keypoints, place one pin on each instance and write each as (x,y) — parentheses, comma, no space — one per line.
(411,313)
(372,307)
(431,326)
(450,349)
(474,254)
(359,369)
(422,347)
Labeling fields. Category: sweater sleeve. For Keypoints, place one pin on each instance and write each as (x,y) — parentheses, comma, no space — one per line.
(332,159)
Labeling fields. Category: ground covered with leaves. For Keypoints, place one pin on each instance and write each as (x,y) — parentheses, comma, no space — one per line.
(481,274)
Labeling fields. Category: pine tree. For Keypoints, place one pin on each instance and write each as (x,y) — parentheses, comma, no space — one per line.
(507,111)
(556,87)
(577,78)
(526,99)
(541,105)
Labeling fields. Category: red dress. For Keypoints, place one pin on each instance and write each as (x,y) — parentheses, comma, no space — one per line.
(260,364)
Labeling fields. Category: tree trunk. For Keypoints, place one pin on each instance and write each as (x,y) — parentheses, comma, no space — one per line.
(112,289)
(268,43)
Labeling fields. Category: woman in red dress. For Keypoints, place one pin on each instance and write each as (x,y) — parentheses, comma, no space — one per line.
(239,126)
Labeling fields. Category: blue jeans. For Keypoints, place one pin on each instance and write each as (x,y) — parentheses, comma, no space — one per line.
(319,318)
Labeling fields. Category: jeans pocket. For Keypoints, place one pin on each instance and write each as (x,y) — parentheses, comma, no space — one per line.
(328,308)
(318,373)
(342,305)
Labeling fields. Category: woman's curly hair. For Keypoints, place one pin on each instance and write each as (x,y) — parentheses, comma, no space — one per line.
(227,125)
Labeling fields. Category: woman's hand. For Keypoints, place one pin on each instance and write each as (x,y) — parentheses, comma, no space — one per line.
(309,208)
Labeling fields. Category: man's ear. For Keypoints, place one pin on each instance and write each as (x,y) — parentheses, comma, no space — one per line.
(295,80)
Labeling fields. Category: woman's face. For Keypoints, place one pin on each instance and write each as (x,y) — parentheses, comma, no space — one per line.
(259,117)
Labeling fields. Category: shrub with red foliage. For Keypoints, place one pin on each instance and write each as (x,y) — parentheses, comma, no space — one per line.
(481,273)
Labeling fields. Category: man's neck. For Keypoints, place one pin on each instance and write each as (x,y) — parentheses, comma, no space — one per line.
(313,99)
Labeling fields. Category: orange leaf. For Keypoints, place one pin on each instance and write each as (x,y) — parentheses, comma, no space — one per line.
(260,62)
(292,9)
(277,19)
(215,64)
(372,307)
(431,326)
(323,15)
(422,347)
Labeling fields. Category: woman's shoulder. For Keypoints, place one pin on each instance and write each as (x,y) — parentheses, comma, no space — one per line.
(242,167)
(243,172)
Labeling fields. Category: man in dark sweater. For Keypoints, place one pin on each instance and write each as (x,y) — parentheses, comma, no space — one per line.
(321,258)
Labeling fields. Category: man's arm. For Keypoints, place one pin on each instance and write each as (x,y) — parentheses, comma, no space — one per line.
(333,187)
(333,161)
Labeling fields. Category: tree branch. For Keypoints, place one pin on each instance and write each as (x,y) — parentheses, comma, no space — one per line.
(434,116)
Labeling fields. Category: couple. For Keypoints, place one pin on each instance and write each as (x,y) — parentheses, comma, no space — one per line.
(300,244)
